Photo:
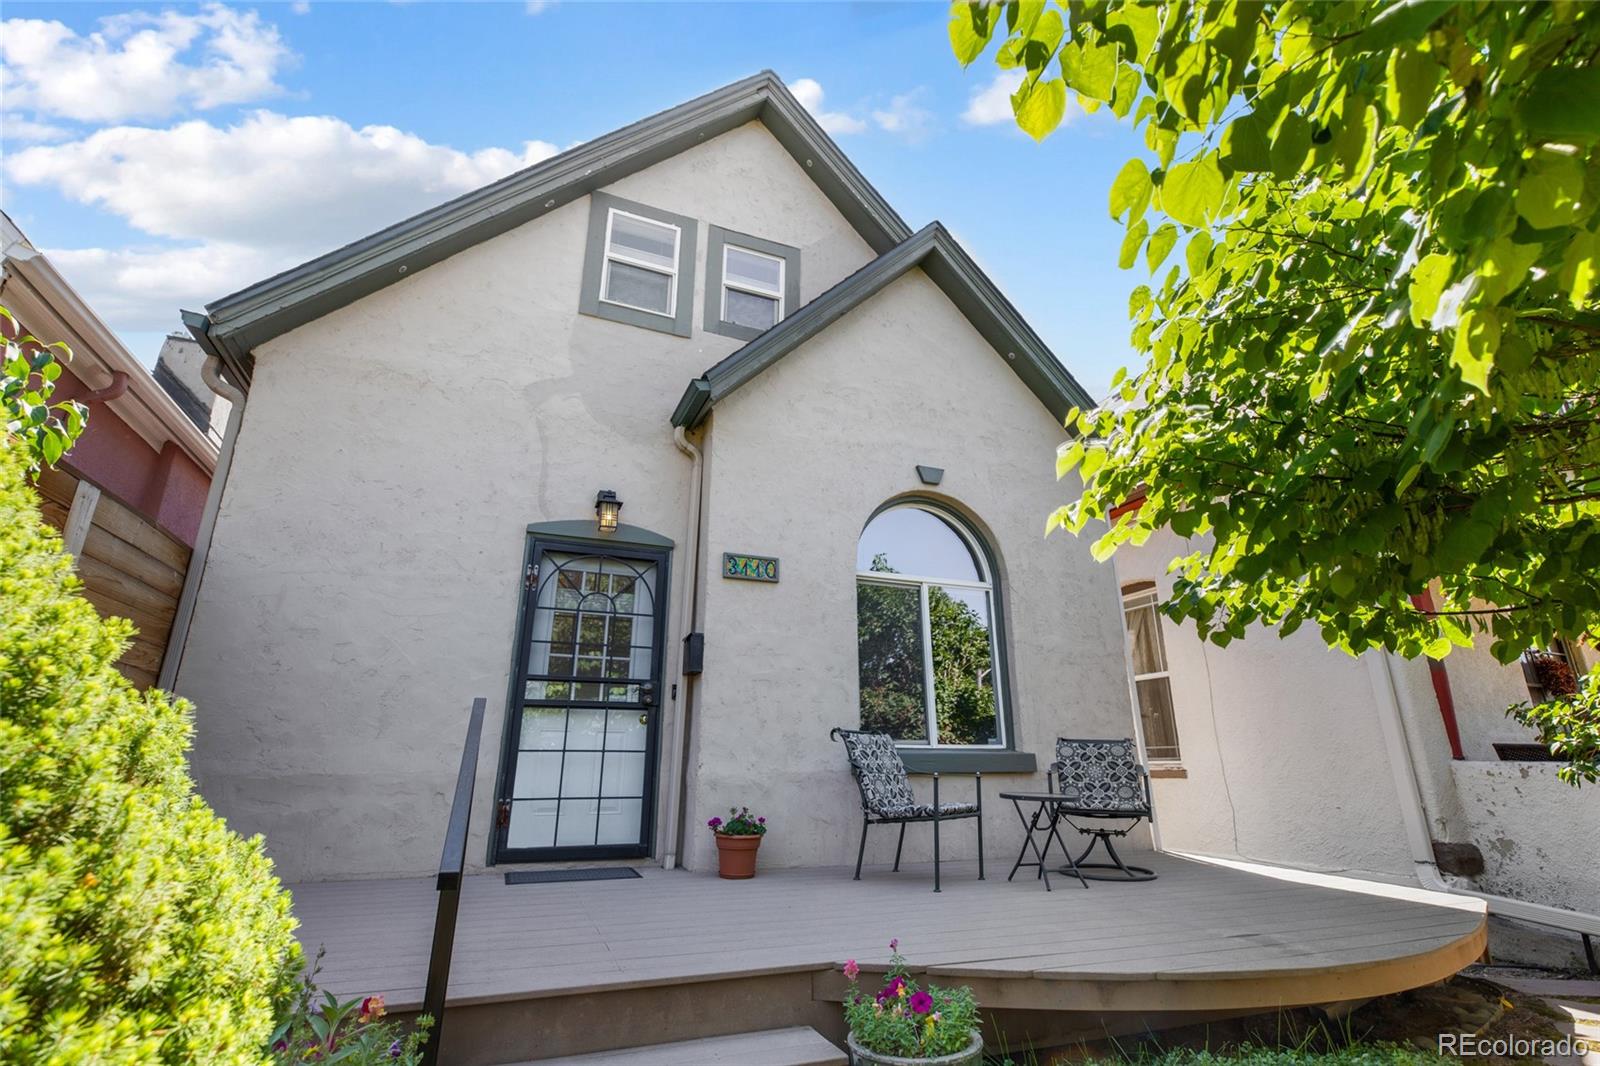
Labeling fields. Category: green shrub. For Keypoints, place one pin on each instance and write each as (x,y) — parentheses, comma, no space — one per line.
(135,927)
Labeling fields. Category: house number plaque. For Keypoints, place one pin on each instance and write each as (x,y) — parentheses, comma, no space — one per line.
(749,567)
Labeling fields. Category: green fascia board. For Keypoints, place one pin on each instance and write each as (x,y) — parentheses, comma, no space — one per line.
(236,323)
(942,258)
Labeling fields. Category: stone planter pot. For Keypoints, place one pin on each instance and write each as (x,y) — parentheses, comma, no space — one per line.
(971,1055)
(736,855)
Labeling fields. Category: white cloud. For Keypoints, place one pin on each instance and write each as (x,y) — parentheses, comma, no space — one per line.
(538,7)
(247,200)
(15,129)
(140,64)
(301,7)
(904,118)
(991,105)
(269,181)
(809,93)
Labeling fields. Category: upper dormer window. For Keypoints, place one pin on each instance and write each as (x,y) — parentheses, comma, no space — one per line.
(752,283)
(752,288)
(639,265)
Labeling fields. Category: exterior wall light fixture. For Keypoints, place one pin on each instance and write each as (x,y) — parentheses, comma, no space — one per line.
(606,509)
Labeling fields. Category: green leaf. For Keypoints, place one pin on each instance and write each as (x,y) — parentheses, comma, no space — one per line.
(1161,243)
(1192,192)
(1404,21)
(1092,70)
(1477,338)
(1580,267)
(1039,106)
(1197,253)
(1560,104)
(1550,193)
(1413,75)
(1136,27)
(1428,279)
(1244,145)
(1291,146)
(1131,190)
(971,25)
(1131,243)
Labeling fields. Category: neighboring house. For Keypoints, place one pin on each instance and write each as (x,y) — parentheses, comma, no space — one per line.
(180,370)
(821,429)
(129,495)
(1287,752)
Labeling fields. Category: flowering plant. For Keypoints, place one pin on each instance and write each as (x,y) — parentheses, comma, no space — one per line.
(906,1020)
(740,823)
(352,1033)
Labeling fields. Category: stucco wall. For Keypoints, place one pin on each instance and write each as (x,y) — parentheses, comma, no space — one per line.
(365,570)
(1286,762)
(801,457)
(1539,836)
(1280,743)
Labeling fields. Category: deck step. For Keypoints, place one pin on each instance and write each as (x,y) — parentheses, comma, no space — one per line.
(796,1046)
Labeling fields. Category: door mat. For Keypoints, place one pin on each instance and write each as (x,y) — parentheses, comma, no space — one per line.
(546,877)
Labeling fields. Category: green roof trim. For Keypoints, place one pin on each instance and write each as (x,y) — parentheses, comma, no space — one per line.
(947,264)
(235,324)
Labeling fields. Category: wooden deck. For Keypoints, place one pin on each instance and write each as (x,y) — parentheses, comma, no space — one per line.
(1201,940)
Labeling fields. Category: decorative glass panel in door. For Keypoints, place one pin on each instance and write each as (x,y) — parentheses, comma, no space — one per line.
(580,778)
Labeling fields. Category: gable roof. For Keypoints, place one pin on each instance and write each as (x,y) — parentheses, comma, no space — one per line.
(947,264)
(235,324)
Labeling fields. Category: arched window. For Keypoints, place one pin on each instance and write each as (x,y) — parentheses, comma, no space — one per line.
(926,631)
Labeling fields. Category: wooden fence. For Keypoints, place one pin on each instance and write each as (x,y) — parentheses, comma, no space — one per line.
(130,567)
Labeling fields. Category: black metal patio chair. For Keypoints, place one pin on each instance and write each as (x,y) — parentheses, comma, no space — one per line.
(887,799)
(1104,780)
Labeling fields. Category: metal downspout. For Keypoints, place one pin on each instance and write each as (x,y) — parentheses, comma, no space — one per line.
(211,374)
(688,606)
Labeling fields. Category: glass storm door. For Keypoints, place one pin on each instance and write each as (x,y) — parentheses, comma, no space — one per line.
(579,775)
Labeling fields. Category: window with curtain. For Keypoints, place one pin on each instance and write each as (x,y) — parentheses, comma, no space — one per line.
(1151,678)
(641,268)
(925,627)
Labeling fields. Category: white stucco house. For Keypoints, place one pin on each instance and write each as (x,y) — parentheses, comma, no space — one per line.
(711,316)
(683,448)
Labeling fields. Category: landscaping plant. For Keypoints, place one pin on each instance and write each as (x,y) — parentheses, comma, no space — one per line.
(904,1019)
(1370,341)
(319,1028)
(136,927)
(740,823)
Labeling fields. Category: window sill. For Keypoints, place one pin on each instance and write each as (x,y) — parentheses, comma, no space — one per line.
(1170,770)
(927,761)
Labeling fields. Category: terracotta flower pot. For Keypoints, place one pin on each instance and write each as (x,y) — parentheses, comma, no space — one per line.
(971,1055)
(736,855)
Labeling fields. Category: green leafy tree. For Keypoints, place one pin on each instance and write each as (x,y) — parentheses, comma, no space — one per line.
(1371,371)
(29,370)
(889,632)
(135,927)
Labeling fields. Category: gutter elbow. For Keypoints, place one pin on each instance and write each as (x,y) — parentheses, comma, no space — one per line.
(211,374)
(118,386)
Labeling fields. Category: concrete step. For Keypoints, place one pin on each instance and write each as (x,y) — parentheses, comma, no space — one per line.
(796,1046)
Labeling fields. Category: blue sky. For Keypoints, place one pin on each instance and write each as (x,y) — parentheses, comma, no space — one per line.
(167,155)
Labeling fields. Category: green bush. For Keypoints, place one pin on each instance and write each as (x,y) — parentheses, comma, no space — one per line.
(135,927)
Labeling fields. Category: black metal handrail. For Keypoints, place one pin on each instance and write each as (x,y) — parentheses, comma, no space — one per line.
(452,861)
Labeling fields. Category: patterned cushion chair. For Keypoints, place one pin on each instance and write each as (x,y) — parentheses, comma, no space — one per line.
(886,795)
(1102,779)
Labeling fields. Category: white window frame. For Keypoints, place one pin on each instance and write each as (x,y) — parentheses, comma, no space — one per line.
(727,283)
(654,268)
(922,584)
(1147,599)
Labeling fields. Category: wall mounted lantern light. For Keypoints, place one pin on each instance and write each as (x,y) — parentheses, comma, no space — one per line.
(606,509)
